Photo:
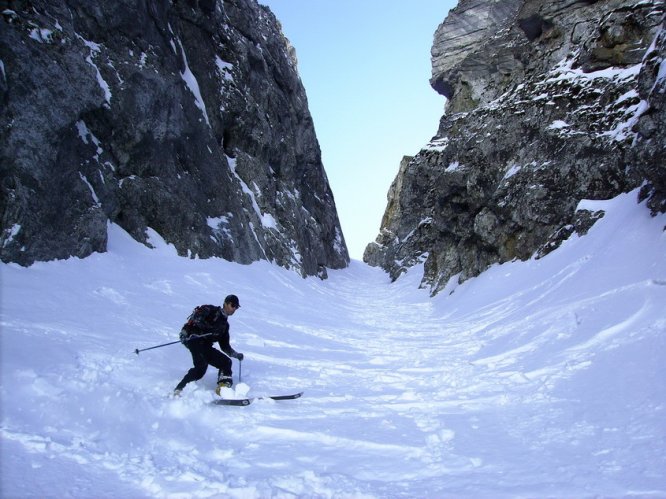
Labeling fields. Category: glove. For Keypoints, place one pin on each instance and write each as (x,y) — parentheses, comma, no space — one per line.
(183,337)
(239,356)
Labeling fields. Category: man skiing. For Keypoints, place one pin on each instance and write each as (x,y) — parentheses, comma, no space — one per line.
(207,324)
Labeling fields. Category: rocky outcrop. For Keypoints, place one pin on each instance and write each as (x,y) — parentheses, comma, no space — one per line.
(649,151)
(548,103)
(186,117)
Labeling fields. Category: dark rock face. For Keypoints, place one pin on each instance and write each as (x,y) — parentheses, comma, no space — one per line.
(184,116)
(549,103)
(649,151)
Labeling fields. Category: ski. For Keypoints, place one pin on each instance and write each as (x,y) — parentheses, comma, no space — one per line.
(248,401)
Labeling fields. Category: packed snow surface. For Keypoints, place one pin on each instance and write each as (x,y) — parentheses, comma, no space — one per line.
(542,378)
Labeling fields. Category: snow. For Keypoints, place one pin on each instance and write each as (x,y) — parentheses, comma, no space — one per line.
(423,222)
(96,49)
(267,220)
(541,378)
(224,68)
(438,145)
(220,223)
(453,167)
(93,194)
(511,171)
(564,70)
(11,234)
(192,84)
(558,124)
(41,35)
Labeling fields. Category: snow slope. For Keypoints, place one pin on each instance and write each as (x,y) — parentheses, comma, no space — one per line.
(537,379)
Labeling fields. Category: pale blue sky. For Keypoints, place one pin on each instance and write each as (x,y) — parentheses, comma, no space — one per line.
(365,65)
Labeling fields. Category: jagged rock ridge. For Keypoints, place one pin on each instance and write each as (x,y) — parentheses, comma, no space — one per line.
(548,103)
(184,117)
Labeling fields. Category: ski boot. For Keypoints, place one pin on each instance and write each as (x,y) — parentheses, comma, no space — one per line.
(223,382)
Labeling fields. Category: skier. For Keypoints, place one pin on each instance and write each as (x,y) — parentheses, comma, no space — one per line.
(207,324)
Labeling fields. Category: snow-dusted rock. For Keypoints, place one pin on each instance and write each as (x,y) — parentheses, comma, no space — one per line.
(549,103)
(186,117)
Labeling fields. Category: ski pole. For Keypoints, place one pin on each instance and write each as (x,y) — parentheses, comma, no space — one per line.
(157,346)
(240,370)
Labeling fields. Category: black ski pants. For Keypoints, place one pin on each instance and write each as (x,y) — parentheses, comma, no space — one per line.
(204,354)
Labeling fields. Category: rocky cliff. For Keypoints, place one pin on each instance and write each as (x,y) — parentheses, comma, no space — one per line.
(184,117)
(549,102)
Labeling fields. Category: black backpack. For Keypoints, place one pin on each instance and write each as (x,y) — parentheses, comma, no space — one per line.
(202,318)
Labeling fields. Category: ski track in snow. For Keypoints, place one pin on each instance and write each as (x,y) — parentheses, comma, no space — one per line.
(541,378)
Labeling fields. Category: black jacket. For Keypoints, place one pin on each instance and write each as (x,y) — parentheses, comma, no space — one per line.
(207,324)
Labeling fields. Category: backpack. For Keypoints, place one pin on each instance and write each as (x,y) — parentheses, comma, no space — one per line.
(202,317)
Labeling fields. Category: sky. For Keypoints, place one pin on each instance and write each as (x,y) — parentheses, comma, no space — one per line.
(541,379)
(366,69)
